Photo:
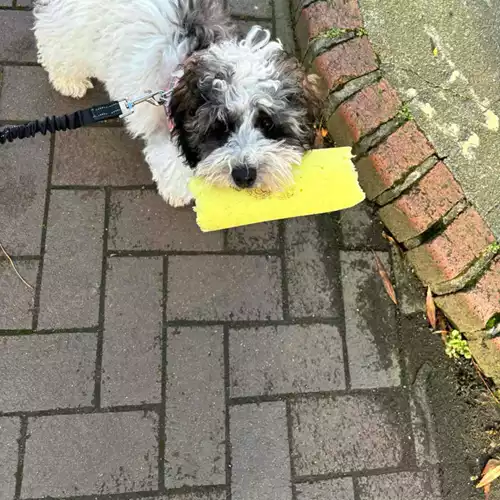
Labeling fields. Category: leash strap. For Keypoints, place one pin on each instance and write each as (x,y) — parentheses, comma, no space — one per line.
(82,118)
(61,123)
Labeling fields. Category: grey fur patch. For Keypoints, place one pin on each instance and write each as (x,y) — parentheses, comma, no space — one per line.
(203,23)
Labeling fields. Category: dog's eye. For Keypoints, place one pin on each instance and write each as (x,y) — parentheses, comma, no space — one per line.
(267,126)
(220,130)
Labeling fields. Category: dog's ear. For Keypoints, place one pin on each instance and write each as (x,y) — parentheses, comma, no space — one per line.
(186,99)
(316,92)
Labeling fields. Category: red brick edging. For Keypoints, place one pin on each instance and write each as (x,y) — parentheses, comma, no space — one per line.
(449,245)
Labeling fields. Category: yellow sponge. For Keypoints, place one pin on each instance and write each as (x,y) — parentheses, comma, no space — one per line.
(325,181)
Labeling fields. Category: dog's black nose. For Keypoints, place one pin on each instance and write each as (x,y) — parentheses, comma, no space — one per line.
(244,177)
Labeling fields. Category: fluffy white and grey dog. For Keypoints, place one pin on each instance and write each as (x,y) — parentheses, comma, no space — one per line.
(241,113)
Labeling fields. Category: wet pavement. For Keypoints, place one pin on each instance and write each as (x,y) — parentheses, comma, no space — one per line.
(150,361)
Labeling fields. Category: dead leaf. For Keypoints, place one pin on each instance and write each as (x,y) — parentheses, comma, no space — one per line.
(385,279)
(441,321)
(430,308)
(389,238)
(487,492)
(491,472)
(443,328)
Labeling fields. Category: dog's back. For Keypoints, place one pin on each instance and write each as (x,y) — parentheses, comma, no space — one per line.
(149,31)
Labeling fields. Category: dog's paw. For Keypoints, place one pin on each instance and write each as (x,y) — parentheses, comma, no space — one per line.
(176,199)
(72,88)
(178,202)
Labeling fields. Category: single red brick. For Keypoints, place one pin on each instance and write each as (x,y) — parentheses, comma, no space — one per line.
(363,113)
(450,253)
(426,202)
(322,16)
(346,61)
(471,309)
(393,159)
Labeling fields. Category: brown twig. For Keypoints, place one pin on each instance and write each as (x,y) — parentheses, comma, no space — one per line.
(11,262)
(430,309)
(389,288)
(478,370)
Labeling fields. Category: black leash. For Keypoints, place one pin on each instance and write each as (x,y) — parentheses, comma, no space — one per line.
(82,118)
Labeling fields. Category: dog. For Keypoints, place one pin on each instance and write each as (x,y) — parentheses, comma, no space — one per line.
(241,110)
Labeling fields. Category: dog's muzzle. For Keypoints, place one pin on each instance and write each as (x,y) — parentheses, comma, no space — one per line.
(244,177)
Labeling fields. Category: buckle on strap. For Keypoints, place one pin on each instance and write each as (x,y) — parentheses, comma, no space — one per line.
(158,98)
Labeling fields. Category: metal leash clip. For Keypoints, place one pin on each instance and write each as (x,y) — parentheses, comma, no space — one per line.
(158,98)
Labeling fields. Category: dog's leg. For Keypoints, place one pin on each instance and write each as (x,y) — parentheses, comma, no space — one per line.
(66,77)
(63,50)
(169,171)
(69,84)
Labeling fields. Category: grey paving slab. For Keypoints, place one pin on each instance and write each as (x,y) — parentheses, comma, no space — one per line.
(17,42)
(371,332)
(285,359)
(410,290)
(10,431)
(259,237)
(408,485)
(335,489)
(71,278)
(141,220)
(361,228)
(44,372)
(424,429)
(17,299)
(27,95)
(195,408)
(260,458)
(311,285)
(255,8)
(131,356)
(284,23)
(213,287)
(79,158)
(243,27)
(348,433)
(199,496)
(23,183)
(92,454)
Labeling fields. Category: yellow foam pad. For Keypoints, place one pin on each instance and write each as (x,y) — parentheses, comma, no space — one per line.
(325,181)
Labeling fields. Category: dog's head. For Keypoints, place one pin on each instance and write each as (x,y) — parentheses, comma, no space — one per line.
(244,112)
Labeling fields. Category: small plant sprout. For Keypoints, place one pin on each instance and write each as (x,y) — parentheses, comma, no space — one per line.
(456,346)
